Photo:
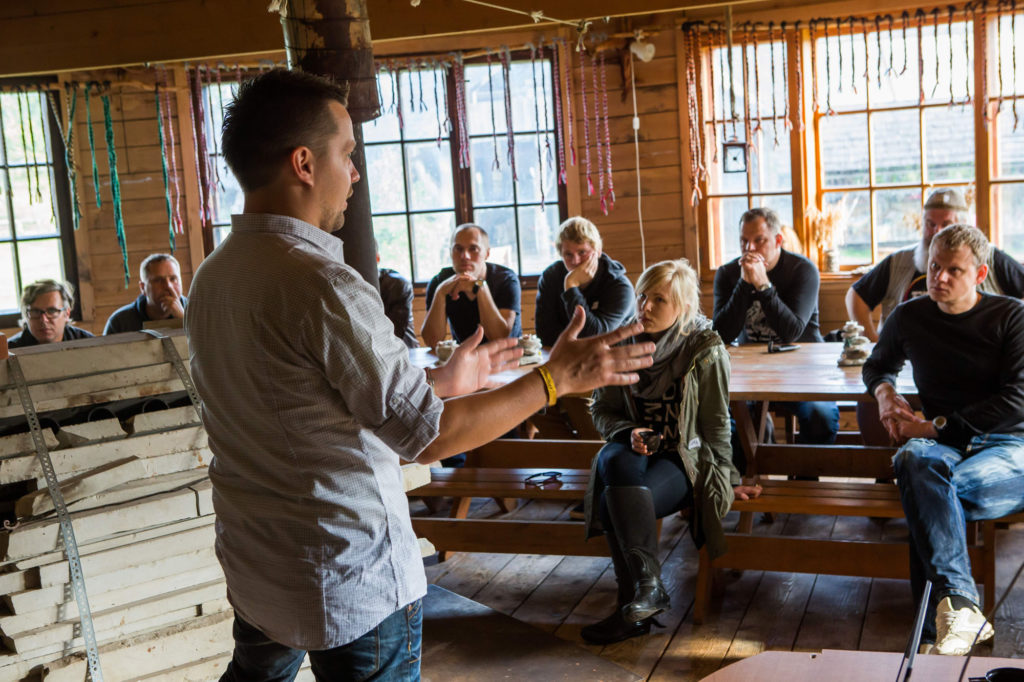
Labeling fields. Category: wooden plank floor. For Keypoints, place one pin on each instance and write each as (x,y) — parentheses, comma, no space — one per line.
(757,610)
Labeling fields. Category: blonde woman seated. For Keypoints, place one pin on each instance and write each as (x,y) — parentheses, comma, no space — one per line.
(667,448)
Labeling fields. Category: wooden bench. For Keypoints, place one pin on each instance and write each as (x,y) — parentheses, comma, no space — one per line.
(801,554)
(499,470)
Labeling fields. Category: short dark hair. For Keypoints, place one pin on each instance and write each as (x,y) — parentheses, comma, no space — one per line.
(153,259)
(272,115)
(484,237)
(771,218)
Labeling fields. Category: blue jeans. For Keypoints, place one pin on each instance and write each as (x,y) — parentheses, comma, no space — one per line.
(389,652)
(819,421)
(941,489)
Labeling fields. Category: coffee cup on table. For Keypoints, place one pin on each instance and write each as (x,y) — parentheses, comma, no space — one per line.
(444,349)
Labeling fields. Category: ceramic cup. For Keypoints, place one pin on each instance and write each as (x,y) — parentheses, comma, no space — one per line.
(530,344)
(444,349)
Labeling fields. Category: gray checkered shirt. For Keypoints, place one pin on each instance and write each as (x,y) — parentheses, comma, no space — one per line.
(309,401)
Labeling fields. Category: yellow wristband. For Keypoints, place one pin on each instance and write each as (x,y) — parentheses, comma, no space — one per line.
(549,384)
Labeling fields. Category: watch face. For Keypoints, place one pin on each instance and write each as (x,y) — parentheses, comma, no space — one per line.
(734,157)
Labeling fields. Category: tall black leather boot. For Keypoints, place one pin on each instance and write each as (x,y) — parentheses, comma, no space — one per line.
(615,628)
(631,509)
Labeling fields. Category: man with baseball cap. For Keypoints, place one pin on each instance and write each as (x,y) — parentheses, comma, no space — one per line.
(900,276)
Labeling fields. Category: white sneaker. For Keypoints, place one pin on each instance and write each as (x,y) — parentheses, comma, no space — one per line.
(958,627)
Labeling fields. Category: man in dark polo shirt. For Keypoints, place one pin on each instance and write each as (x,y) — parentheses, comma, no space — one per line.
(46,315)
(161,299)
(472,292)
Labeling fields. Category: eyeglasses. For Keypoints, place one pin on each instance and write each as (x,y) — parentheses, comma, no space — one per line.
(542,478)
(51,313)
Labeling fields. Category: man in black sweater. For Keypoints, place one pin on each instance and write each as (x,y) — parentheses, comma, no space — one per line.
(770,294)
(965,460)
(585,276)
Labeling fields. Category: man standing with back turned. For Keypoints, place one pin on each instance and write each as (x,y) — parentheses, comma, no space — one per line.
(965,461)
(313,528)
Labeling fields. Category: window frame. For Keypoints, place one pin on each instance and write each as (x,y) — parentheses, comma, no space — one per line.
(61,191)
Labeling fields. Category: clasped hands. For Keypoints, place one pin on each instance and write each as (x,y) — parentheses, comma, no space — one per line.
(899,418)
(753,269)
(459,284)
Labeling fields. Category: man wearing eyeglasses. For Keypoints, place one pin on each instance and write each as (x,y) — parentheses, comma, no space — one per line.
(46,310)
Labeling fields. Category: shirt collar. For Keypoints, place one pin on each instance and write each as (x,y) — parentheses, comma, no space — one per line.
(281,224)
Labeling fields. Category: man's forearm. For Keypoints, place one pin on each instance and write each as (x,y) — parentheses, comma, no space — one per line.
(434,324)
(494,324)
(470,421)
(857,309)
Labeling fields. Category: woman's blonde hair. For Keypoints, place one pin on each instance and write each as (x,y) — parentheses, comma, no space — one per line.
(580,230)
(682,281)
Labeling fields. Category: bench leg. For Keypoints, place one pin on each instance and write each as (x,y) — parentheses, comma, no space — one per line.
(705,575)
(506,504)
(746,523)
(459,510)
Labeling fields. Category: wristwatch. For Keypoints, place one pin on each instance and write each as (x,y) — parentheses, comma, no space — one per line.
(478,284)
(765,287)
(939,423)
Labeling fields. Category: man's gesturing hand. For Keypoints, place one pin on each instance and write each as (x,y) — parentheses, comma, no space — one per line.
(581,365)
(471,365)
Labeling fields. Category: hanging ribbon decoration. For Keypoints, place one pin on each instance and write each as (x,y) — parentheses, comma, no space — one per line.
(597,128)
(757,81)
(71,100)
(949,35)
(209,104)
(506,67)
(437,104)
(775,111)
(556,83)
(163,165)
(586,123)
(442,71)
(982,31)
(459,74)
(919,17)
(828,74)
(32,137)
(179,224)
(935,43)
(786,115)
(24,143)
(693,98)
(1013,54)
(969,7)
(494,125)
(711,89)
(570,101)
(798,57)
(92,146)
(839,48)
(892,63)
(608,198)
(536,121)
(115,186)
(813,26)
(864,36)
(721,79)
(544,106)
(878,49)
(198,120)
(745,73)
(853,60)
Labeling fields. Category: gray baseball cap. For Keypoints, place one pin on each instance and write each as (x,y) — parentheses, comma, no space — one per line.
(948,198)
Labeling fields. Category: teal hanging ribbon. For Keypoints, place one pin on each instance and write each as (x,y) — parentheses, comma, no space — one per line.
(72,171)
(163,163)
(115,186)
(92,146)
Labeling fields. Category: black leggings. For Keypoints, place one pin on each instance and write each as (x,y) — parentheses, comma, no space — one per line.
(662,472)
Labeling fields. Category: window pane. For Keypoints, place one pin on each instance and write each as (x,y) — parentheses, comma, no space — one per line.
(432,236)
(384,171)
(771,166)
(220,234)
(33,212)
(897,219)
(385,127)
(764,81)
(393,243)
(9,294)
(490,185)
(230,200)
(726,213)
(1009,206)
(899,67)
(420,108)
(527,168)
(839,84)
(780,203)
(40,259)
(1009,144)
(855,240)
(429,172)
(5,221)
(529,103)
(500,224)
(844,150)
(485,98)
(949,143)
(896,139)
(537,230)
